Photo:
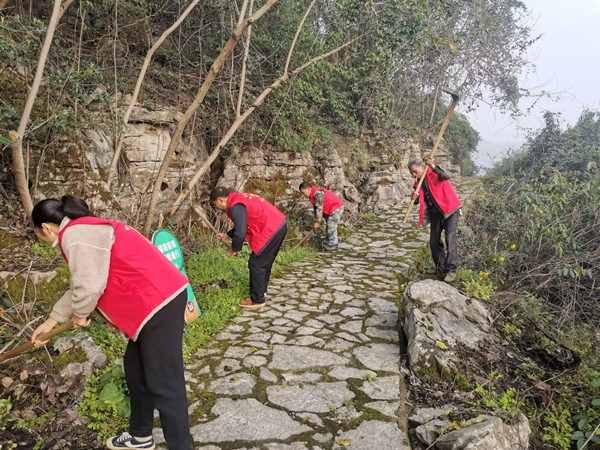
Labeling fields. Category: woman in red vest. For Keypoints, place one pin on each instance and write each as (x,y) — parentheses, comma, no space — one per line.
(443,208)
(263,225)
(119,273)
(326,205)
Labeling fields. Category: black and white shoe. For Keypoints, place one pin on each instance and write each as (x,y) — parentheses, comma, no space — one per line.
(126,440)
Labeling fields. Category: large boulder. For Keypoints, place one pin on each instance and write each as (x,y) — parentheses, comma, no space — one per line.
(488,432)
(438,322)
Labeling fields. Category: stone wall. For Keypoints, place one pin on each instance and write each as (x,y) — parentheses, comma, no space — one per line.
(369,173)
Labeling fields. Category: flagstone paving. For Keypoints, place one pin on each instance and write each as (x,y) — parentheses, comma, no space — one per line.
(319,367)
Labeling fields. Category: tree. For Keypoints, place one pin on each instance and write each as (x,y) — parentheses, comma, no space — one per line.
(21,177)
(215,68)
(138,86)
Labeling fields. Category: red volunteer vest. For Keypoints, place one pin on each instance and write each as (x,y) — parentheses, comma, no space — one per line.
(331,202)
(443,193)
(140,277)
(263,218)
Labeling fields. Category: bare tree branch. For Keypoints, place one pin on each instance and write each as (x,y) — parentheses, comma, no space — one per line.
(138,86)
(212,73)
(64,7)
(238,109)
(259,100)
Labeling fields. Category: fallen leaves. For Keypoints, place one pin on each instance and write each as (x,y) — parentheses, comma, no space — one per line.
(441,345)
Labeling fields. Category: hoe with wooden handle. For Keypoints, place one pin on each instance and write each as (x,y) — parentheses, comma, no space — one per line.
(42,337)
(309,234)
(435,146)
(207,222)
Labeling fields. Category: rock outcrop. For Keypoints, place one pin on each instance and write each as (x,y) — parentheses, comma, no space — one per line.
(438,322)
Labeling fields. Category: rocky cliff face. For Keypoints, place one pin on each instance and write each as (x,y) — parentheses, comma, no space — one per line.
(368,172)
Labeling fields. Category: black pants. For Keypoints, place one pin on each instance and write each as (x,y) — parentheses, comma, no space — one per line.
(444,258)
(260,266)
(155,377)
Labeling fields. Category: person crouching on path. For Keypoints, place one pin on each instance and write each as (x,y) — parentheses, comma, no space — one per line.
(128,281)
(443,207)
(263,225)
(326,205)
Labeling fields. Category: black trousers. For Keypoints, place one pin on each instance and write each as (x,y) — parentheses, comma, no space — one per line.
(155,378)
(260,266)
(444,258)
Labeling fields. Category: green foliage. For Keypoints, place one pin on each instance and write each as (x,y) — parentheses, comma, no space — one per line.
(5,409)
(558,429)
(29,424)
(476,285)
(505,401)
(112,342)
(576,148)
(461,140)
(64,76)
(45,251)
(588,420)
(511,329)
(539,233)
(106,401)
(534,231)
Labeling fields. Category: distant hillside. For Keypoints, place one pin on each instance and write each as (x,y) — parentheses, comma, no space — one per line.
(489,153)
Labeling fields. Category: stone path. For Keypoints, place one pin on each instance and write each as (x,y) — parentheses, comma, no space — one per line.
(319,367)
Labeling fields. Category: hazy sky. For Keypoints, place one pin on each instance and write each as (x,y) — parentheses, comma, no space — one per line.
(567,60)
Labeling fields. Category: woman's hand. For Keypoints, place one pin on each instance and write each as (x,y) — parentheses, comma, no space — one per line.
(78,322)
(222,237)
(44,328)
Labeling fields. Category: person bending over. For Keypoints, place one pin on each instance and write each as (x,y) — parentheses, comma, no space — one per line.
(263,226)
(444,210)
(130,283)
(328,206)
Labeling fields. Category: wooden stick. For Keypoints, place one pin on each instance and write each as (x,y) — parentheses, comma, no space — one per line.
(432,154)
(204,219)
(207,222)
(21,348)
(304,239)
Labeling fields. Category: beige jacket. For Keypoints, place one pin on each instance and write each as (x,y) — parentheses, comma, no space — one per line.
(87,248)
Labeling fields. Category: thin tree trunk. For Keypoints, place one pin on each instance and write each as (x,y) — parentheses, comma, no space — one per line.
(259,100)
(212,73)
(238,109)
(64,7)
(17,137)
(435,96)
(138,86)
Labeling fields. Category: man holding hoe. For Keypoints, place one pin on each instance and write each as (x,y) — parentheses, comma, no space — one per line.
(443,208)
(326,205)
(263,225)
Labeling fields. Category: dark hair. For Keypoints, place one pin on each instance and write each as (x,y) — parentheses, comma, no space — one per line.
(54,211)
(305,185)
(218,192)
